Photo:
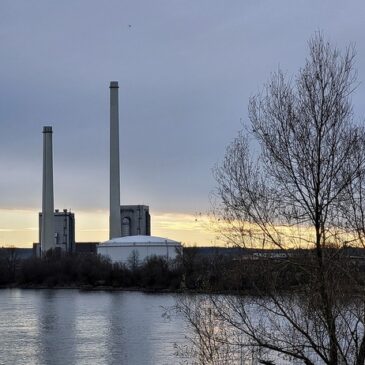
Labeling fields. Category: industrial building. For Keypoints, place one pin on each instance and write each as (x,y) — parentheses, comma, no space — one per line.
(129,225)
(64,230)
(63,234)
(47,227)
(135,220)
(122,249)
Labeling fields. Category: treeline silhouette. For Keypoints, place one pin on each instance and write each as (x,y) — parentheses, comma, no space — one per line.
(88,270)
(192,270)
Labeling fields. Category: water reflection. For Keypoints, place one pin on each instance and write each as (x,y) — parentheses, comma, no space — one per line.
(45,327)
(18,328)
(56,327)
(117,332)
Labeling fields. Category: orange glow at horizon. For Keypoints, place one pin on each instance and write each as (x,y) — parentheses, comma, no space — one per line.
(19,227)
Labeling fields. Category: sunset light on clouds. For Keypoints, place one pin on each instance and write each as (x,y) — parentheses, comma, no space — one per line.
(185,77)
(20,227)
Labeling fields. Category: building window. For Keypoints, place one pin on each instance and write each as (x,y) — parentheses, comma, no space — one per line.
(126,227)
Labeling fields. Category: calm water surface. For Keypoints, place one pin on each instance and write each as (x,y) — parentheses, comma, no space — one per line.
(71,327)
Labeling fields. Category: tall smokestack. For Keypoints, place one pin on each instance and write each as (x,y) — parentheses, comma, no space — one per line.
(114,215)
(47,234)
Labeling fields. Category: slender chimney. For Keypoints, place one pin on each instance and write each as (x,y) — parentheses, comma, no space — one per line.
(114,215)
(47,234)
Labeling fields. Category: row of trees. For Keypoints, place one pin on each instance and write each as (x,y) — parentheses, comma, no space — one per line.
(87,270)
(218,271)
(305,188)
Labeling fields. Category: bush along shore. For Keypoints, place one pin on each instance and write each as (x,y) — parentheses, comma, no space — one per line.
(217,271)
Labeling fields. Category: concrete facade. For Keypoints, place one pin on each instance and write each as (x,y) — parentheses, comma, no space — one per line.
(47,233)
(135,220)
(114,213)
(64,230)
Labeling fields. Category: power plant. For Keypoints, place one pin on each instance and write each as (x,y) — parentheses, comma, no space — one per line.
(64,230)
(129,225)
(136,220)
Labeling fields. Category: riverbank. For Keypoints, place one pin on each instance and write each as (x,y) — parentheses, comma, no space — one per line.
(95,288)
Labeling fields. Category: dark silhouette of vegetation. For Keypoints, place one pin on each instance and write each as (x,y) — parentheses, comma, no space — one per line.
(220,270)
(301,185)
(89,270)
(8,265)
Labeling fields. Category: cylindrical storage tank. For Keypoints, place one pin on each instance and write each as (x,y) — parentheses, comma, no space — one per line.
(121,249)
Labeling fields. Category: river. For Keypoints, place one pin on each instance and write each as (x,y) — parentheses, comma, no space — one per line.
(71,327)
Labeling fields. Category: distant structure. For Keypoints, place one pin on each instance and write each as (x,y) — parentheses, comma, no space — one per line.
(47,230)
(139,248)
(129,225)
(114,203)
(86,248)
(56,229)
(135,220)
(64,230)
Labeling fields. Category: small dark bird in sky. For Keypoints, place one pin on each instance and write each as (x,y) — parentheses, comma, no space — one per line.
(129,26)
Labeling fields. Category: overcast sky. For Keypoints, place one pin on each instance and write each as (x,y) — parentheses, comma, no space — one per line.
(185,69)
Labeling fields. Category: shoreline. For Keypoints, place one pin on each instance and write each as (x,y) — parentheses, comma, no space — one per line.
(90,288)
(106,288)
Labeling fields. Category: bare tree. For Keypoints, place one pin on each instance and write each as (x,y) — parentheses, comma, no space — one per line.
(305,189)
(133,261)
(12,261)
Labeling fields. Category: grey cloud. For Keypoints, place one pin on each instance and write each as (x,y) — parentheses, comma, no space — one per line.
(186,70)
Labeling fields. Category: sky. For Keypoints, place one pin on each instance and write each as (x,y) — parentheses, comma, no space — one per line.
(186,70)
